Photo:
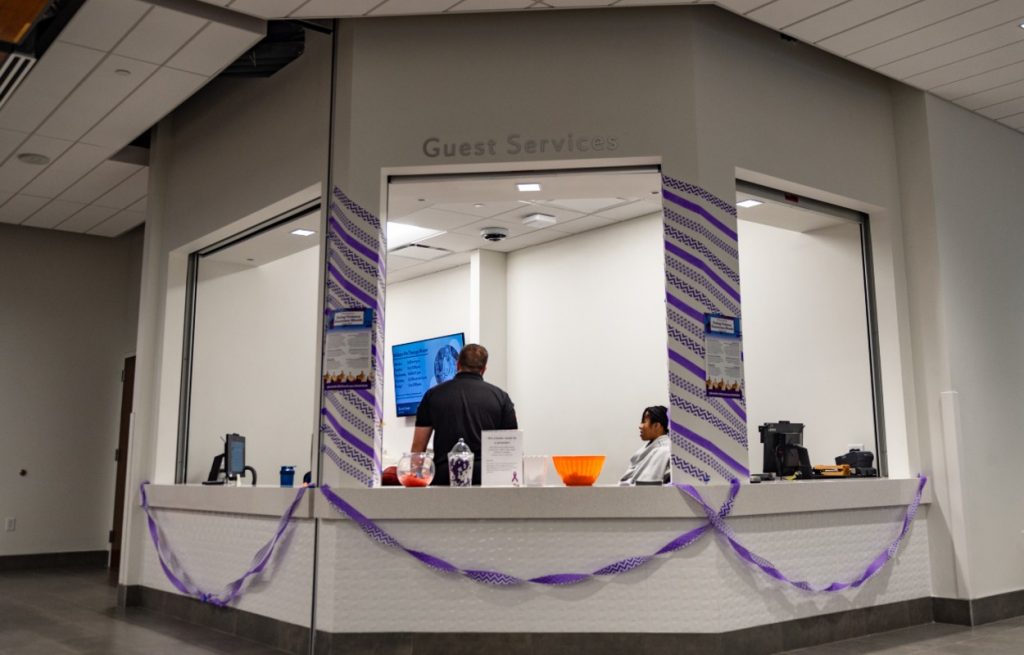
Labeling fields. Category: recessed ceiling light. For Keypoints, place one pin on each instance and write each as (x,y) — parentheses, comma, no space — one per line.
(303,233)
(123,72)
(747,204)
(478,205)
(539,220)
(1021,26)
(400,234)
(528,186)
(33,158)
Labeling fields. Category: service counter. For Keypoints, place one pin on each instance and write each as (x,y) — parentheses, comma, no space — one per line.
(815,530)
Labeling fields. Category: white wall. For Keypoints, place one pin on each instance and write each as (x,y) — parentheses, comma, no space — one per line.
(420,308)
(254,363)
(68,309)
(977,167)
(805,339)
(586,341)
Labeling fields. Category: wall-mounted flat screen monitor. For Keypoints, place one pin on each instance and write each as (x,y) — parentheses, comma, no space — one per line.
(420,365)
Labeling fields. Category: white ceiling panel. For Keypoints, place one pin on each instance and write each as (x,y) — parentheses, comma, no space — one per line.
(100,24)
(159,35)
(992,96)
(515,228)
(53,213)
(214,48)
(491,5)
(633,210)
(14,174)
(587,205)
(397,263)
(436,219)
(561,214)
(394,7)
(895,24)
(455,242)
(982,82)
(9,142)
(645,3)
(954,51)
(142,204)
(332,8)
(77,161)
(843,17)
(1004,109)
(126,193)
(977,20)
(576,3)
(584,224)
(161,93)
(100,180)
(485,209)
(87,218)
(742,6)
(118,224)
(987,61)
(1016,121)
(781,13)
(266,8)
(56,75)
(20,207)
(101,91)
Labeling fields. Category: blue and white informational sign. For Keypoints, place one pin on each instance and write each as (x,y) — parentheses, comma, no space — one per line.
(723,358)
(348,349)
(420,365)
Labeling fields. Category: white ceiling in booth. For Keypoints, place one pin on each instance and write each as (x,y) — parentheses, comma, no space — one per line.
(121,65)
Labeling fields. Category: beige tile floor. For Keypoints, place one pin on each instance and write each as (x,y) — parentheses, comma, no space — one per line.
(73,612)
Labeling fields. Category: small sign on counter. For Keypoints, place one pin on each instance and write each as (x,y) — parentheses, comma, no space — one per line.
(502,458)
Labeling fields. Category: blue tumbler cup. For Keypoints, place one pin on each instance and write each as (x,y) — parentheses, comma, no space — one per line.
(287,476)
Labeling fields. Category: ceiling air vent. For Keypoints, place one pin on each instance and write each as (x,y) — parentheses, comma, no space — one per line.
(12,71)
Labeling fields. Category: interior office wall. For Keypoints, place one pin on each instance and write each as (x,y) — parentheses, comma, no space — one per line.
(68,310)
(789,116)
(805,338)
(976,169)
(254,363)
(586,341)
(429,306)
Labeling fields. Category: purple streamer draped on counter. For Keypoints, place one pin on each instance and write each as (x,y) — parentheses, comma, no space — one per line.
(176,573)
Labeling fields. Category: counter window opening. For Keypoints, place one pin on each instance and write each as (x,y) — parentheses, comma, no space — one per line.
(809,328)
(249,352)
(570,304)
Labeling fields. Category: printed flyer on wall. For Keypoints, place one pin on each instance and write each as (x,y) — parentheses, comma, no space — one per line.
(348,349)
(723,359)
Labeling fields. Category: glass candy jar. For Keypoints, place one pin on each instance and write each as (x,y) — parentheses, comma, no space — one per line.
(460,465)
(416,469)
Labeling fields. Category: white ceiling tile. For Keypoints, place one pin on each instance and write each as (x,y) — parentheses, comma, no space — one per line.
(781,13)
(100,24)
(78,160)
(87,218)
(633,210)
(140,205)
(126,193)
(266,8)
(334,8)
(578,3)
(158,96)
(9,141)
(14,174)
(490,5)
(454,241)
(741,6)
(20,207)
(53,213)
(434,218)
(159,35)
(955,51)
(987,61)
(895,24)
(397,263)
(118,224)
(1016,121)
(587,205)
(485,210)
(841,18)
(992,96)
(213,49)
(96,96)
(395,7)
(5,196)
(584,224)
(1004,109)
(100,180)
(647,3)
(942,32)
(56,75)
(982,82)
(516,216)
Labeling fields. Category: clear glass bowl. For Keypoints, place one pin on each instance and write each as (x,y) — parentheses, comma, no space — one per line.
(415,469)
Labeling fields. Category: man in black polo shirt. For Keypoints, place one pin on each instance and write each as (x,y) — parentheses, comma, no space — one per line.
(460,409)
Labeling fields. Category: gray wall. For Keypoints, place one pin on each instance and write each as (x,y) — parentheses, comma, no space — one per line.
(68,312)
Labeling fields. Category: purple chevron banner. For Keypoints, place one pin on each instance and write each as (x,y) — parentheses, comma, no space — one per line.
(351,407)
(708,423)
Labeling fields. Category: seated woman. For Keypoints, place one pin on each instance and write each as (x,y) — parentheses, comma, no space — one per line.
(650,464)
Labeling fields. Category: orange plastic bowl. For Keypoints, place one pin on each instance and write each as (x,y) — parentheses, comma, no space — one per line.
(578,470)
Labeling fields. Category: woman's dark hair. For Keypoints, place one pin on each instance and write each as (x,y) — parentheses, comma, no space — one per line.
(657,414)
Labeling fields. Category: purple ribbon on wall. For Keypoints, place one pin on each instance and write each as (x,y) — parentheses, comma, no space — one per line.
(177,575)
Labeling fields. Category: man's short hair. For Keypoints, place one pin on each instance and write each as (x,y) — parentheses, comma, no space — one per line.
(657,414)
(473,358)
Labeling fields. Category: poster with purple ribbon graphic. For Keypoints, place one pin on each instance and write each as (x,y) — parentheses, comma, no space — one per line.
(348,349)
(723,356)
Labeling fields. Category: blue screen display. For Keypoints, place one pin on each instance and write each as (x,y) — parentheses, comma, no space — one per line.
(235,464)
(420,365)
